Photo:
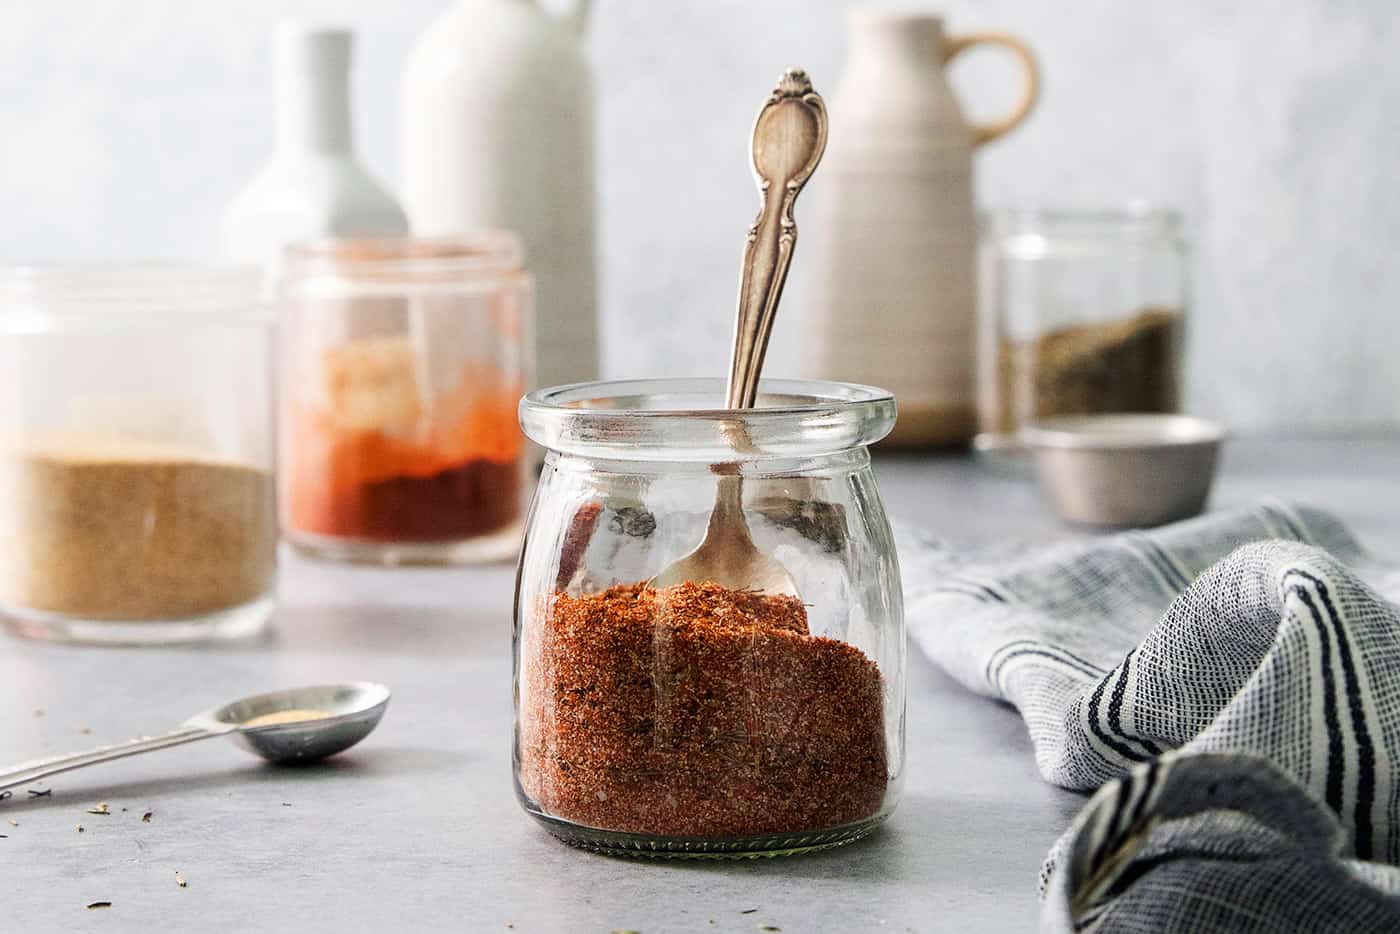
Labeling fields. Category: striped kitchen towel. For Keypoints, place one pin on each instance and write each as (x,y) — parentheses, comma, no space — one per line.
(1265,632)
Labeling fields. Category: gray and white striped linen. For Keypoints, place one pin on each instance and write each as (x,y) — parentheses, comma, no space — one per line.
(1177,665)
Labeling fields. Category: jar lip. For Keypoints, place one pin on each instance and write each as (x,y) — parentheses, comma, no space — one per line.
(677,418)
(40,298)
(1131,214)
(483,253)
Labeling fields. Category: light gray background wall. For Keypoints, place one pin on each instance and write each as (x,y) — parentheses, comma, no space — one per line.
(1274,124)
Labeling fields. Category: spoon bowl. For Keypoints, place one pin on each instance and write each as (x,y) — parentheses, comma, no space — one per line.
(352,711)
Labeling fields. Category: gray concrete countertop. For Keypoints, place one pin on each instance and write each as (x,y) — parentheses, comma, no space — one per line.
(418,828)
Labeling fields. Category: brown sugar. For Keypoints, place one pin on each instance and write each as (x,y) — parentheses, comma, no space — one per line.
(1125,365)
(697,711)
(119,530)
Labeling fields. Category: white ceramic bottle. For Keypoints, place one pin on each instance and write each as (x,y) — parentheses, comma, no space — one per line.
(894,231)
(312,186)
(497,131)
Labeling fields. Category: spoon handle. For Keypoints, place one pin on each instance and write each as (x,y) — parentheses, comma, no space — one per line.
(29,772)
(789,138)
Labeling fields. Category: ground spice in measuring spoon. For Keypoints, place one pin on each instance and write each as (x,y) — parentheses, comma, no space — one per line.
(696,710)
(295,715)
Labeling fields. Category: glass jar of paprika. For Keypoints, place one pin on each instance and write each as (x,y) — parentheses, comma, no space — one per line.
(686,719)
(403,361)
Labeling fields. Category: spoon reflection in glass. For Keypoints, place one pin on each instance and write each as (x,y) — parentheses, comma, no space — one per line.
(298,726)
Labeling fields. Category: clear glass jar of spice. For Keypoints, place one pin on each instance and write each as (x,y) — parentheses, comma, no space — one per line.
(694,719)
(136,487)
(1082,314)
(402,364)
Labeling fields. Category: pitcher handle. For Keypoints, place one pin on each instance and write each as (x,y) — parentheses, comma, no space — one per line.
(1030,88)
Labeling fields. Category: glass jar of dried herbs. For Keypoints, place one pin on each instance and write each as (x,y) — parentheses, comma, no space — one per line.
(1082,314)
(695,718)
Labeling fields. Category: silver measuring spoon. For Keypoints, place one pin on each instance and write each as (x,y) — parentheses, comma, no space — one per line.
(289,727)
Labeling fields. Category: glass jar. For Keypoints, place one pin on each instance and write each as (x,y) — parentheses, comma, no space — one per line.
(403,361)
(136,486)
(694,719)
(1082,314)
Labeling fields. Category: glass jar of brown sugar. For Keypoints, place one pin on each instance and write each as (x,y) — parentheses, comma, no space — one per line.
(693,719)
(1082,314)
(402,364)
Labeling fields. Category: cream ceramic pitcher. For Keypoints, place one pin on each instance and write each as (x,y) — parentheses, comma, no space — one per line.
(894,232)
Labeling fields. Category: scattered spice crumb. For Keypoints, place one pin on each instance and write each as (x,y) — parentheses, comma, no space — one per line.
(101,808)
(6,794)
(180,880)
(85,730)
(748,911)
(40,793)
(123,810)
(4,836)
(626,931)
(39,712)
(80,828)
(146,818)
(13,822)
(92,905)
(286,804)
(769,927)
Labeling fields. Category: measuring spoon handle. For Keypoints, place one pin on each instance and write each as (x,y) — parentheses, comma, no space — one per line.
(29,772)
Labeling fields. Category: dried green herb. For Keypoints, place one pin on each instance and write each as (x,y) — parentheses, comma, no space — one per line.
(632,521)
(43,793)
(146,818)
(92,905)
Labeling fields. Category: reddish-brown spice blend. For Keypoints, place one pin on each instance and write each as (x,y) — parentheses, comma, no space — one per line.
(697,711)
(457,482)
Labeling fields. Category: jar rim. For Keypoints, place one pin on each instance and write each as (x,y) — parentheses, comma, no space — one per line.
(683,419)
(1110,218)
(484,253)
(40,298)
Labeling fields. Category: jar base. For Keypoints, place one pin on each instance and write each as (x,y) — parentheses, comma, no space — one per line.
(649,846)
(240,622)
(502,545)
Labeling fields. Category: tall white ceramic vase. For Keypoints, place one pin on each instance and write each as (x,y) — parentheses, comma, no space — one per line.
(894,230)
(312,186)
(497,131)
